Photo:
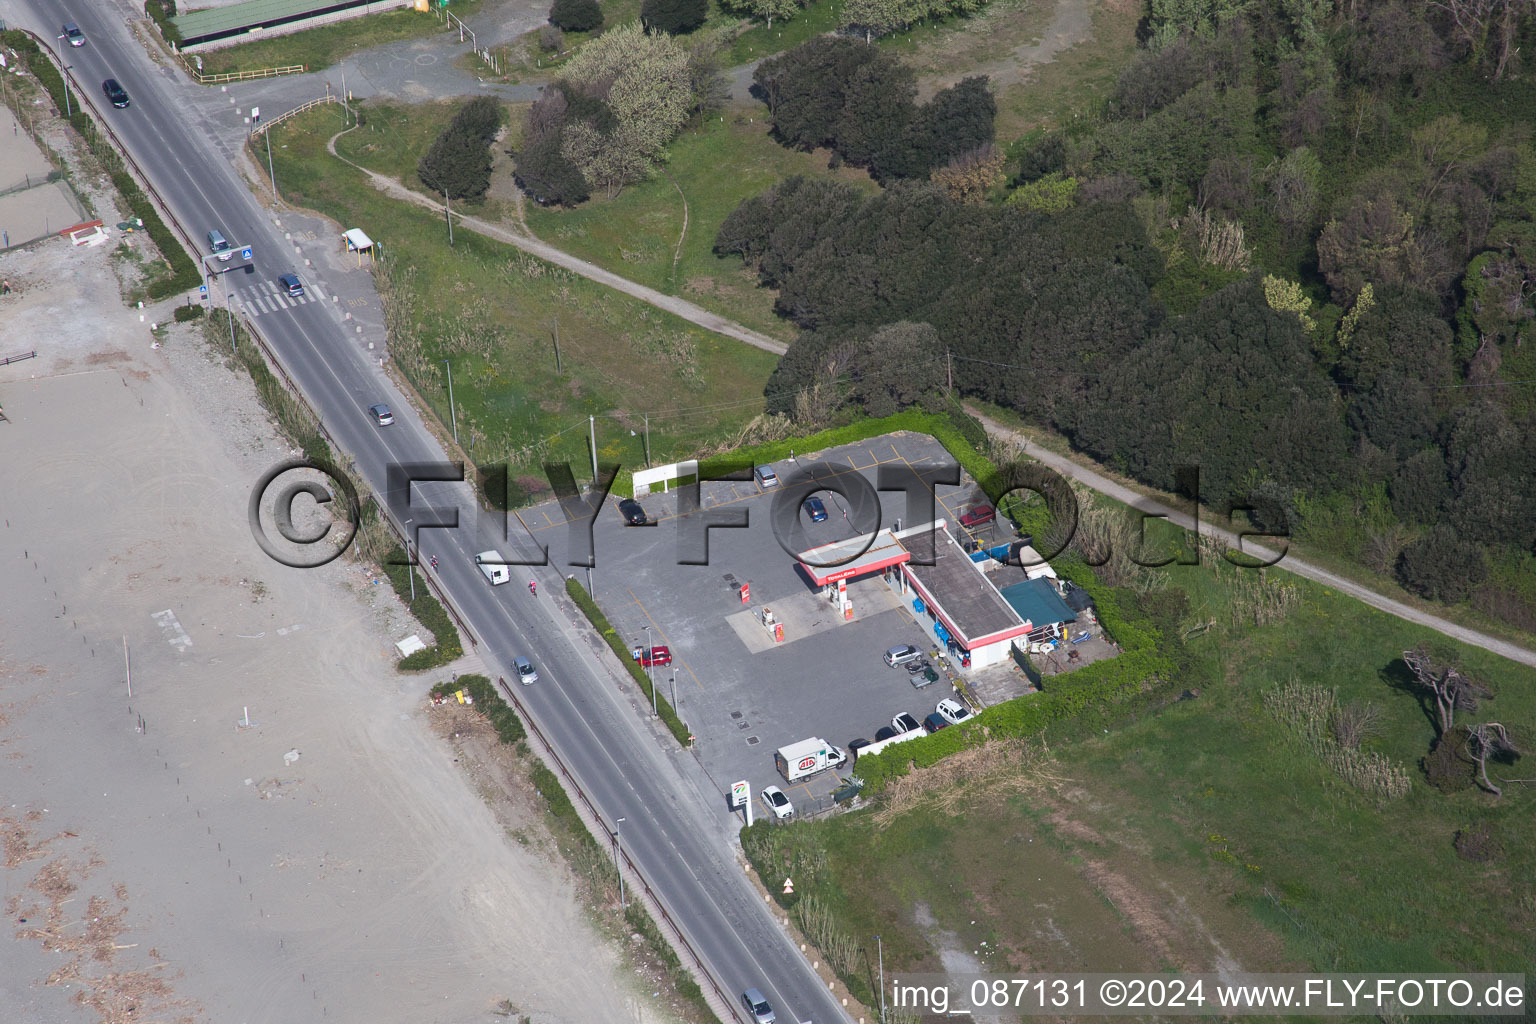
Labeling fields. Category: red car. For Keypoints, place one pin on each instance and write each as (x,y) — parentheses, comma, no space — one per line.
(655,656)
(977,515)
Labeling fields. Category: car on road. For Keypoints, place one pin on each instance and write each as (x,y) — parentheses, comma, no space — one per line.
(977,515)
(381,414)
(902,654)
(655,656)
(904,723)
(219,245)
(291,284)
(633,514)
(953,711)
(116,94)
(73,34)
(757,1007)
(935,722)
(815,509)
(766,477)
(777,802)
(526,673)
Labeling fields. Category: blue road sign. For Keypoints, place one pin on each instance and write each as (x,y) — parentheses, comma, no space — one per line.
(245,253)
(202,290)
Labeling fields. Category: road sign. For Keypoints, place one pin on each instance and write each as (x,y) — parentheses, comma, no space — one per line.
(202,291)
(245,253)
(739,793)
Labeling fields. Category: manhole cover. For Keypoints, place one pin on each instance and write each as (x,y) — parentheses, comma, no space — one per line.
(743,725)
(752,741)
(735,714)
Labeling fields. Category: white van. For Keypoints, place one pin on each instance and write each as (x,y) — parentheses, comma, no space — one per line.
(497,574)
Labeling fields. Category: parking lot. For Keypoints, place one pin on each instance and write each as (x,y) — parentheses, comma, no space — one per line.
(742,693)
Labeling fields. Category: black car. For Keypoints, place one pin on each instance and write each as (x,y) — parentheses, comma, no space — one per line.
(116,94)
(885,732)
(633,514)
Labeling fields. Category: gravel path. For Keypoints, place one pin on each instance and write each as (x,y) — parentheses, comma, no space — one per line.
(1066,467)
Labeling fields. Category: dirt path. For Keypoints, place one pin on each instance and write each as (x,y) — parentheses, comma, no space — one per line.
(1071,25)
(1066,467)
(544,251)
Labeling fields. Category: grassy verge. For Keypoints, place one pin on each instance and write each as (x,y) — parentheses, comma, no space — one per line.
(293,417)
(605,630)
(321,47)
(575,840)
(713,166)
(1076,81)
(493,312)
(428,611)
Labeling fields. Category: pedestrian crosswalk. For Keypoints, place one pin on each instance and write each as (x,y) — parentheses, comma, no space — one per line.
(267,297)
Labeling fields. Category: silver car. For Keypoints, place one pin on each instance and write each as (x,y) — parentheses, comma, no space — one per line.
(526,673)
(757,1007)
(901,655)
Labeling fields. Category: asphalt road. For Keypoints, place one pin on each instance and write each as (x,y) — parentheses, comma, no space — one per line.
(675,830)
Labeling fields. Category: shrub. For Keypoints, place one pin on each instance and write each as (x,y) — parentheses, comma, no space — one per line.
(551,39)
(1478,843)
(576,15)
(428,611)
(1445,766)
(186,313)
(673,16)
(1441,566)
(509,728)
(161,12)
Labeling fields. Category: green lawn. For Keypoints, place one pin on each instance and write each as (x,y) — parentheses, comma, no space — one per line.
(716,165)
(330,44)
(492,311)
(1077,81)
(1188,833)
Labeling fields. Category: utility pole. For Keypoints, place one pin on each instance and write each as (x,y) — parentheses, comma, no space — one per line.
(127,665)
(557,346)
(881,947)
(618,859)
(448,215)
(949,359)
(647,440)
(451,410)
(592,424)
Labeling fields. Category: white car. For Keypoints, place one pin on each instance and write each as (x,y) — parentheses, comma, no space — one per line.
(953,712)
(777,802)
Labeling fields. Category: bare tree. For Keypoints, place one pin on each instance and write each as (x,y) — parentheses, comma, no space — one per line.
(1489,738)
(1355,723)
(1487,28)
(1449,687)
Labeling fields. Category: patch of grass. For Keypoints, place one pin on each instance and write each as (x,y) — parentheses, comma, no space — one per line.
(716,164)
(492,311)
(760,41)
(322,47)
(1077,81)
(427,610)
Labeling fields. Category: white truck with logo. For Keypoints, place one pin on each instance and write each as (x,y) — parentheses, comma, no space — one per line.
(497,574)
(806,758)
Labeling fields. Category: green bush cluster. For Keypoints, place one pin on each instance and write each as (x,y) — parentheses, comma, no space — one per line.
(607,632)
(509,728)
(161,12)
(184,271)
(428,611)
(186,313)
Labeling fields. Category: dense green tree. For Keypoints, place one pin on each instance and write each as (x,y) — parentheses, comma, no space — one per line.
(765,9)
(547,176)
(458,163)
(480,119)
(1442,565)
(673,16)
(1420,489)
(576,15)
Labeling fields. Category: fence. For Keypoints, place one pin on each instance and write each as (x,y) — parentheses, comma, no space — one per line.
(486,56)
(8,360)
(262,126)
(237,76)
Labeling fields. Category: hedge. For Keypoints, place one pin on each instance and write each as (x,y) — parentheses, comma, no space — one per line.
(428,611)
(509,728)
(185,273)
(187,312)
(621,649)
(161,12)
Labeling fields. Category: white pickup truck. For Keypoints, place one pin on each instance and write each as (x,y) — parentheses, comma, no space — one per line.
(497,574)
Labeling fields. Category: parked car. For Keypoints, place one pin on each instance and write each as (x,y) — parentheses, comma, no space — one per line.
(977,515)
(757,1007)
(116,94)
(904,723)
(902,654)
(381,414)
(654,656)
(953,711)
(291,284)
(935,722)
(815,509)
(526,673)
(885,732)
(766,477)
(854,746)
(73,34)
(777,802)
(633,514)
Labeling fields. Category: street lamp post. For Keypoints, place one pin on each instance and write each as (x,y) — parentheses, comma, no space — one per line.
(68,110)
(675,709)
(881,947)
(618,859)
(650,670)
(451,410)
